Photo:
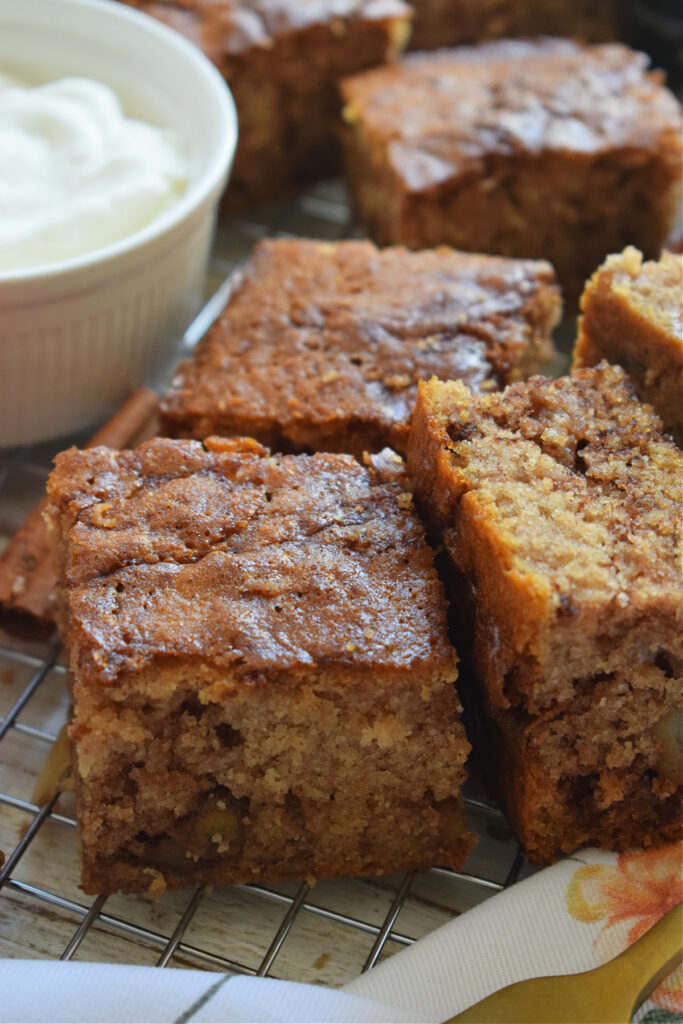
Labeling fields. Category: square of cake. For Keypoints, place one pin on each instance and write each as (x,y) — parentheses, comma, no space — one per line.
(632,314)
(559,505)
(545,149)
(321,345)
(282,59)
(261,676)
(453,22)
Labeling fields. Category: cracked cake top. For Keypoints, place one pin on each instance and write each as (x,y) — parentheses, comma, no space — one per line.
(441,114)
(319,339)
(253,562)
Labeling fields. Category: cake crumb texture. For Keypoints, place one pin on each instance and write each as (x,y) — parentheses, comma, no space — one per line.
(632,314)
(559,505)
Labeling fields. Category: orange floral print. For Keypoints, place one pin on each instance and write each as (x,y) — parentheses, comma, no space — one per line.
(638,891)
(669,994)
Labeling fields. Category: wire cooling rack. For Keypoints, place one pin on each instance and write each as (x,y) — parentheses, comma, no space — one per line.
(327,934)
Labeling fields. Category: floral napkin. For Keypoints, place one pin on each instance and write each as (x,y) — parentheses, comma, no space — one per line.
(570,917)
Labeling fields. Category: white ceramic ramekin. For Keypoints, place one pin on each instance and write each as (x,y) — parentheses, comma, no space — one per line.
(76,336)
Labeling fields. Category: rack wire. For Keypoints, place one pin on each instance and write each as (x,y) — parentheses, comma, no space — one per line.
(328,933)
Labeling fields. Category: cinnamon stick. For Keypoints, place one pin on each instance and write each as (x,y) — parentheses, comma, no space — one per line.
(26,577)
(129,421)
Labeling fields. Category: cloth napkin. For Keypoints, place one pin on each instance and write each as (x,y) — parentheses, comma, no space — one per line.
(570,917)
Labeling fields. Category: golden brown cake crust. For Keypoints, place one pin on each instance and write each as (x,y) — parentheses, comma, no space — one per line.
(228,27)
(559,504)
(272,543)
(453,22)
(261,676)
(322,345)
(512,96)
(632,314)
(558,151)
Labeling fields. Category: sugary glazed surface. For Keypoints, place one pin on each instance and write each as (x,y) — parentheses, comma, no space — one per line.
(244,560)
(230,27)
(513,97)
(322,345)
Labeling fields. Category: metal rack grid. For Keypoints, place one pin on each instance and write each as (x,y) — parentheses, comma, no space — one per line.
(360,918)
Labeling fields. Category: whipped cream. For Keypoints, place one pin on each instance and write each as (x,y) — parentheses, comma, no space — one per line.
(76,174)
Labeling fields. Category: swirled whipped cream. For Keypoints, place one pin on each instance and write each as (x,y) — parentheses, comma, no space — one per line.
(76,174)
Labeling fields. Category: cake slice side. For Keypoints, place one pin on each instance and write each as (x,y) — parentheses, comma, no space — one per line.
(606,771)
(559,506)
(559,502)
